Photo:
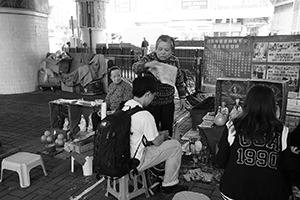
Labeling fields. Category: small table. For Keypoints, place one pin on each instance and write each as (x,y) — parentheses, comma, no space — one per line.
(211,136)
(82,152)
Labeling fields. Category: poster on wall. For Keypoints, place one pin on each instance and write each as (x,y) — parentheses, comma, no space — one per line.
(284,52)
(283,72)
(260,52)
(259,57)
(227,57)
(259,71)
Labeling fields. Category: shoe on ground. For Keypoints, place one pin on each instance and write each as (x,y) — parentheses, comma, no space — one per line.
(174,189)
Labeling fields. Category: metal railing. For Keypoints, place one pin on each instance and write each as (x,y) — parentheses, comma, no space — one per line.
(125,57)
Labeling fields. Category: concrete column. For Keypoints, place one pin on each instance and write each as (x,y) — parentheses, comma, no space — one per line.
(24,43)
(95,22)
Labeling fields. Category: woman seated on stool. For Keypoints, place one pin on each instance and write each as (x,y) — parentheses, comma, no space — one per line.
(120,90)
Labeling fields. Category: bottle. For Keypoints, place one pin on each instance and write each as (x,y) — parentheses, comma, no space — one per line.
(82,124)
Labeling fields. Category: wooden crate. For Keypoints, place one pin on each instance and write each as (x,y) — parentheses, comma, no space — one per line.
(84,145)
(72,111)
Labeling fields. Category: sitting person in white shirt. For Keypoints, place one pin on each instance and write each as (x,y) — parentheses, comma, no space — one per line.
(144,129)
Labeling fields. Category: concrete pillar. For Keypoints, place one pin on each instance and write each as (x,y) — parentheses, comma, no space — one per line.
(92,21)
(24,43)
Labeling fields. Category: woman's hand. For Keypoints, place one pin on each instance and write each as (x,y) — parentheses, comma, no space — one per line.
(295,150)
(182,104)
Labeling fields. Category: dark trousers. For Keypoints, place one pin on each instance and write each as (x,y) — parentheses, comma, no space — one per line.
(164,116)
(95,120)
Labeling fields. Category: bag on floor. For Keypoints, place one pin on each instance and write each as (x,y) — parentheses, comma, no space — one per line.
(112,145)
(154,177)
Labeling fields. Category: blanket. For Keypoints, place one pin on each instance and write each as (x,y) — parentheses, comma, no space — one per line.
(95,69)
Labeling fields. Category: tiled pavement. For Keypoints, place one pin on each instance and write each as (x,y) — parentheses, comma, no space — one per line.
(23,119)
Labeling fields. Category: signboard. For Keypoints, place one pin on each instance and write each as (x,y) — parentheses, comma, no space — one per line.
(272,58)
(193,4)
(226,57)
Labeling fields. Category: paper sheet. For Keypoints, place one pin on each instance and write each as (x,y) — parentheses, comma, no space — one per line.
(165,73)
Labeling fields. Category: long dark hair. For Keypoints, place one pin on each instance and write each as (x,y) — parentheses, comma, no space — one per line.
(259,119)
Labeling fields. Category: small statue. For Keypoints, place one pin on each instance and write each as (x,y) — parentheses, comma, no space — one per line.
(66,124)
(82,124)
(90,126)
(236,110)
(223,109)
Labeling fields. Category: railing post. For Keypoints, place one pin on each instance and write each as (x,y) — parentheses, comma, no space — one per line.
(199,63)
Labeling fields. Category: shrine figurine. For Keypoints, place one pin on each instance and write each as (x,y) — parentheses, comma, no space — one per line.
(223,109)
(82,124)
(277,111)
(236,110)
(90,126)
(66,124)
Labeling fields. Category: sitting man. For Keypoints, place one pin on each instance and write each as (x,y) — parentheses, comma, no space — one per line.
(145,132)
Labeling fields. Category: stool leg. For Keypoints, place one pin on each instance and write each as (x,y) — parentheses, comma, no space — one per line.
(24,176)
(24,180)
(123,187)
(1,174)
(72,164)
(108,187)
(44,169)
(145,183)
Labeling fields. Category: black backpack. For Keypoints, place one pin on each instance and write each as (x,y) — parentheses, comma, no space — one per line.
(112,145)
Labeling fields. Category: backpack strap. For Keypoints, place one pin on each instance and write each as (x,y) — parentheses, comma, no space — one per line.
(131,112)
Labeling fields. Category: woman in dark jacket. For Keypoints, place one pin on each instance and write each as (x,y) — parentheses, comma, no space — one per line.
(254,151)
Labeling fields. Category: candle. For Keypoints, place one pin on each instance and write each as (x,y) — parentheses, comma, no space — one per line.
(103,110)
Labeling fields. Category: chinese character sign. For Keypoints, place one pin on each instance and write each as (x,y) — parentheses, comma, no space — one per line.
(227,57)
(269,57)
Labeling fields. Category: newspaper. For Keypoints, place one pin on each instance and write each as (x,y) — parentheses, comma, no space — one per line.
(165,73)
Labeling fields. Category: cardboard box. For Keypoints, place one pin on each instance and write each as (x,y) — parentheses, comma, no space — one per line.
(58,66)
(81,148)
(47,80)
(66,88)
(92,88)
(83,145)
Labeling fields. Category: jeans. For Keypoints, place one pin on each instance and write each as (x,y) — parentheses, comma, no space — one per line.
(170,152)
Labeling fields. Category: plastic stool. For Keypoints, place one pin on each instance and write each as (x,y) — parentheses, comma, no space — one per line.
(122,191)
(22,163)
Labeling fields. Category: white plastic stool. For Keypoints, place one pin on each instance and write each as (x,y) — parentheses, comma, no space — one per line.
(122,191)
(22,163)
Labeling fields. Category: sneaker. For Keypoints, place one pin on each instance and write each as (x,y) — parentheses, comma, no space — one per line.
(174,188)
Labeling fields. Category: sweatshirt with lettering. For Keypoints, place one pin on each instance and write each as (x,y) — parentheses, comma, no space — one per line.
(253,169)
